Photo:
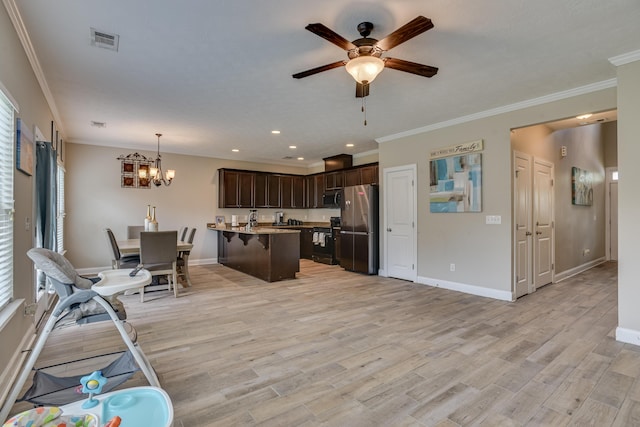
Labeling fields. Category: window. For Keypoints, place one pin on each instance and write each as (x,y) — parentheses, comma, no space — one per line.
(6,200)
(60,211)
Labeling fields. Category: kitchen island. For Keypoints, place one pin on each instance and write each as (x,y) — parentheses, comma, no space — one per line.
(269,254)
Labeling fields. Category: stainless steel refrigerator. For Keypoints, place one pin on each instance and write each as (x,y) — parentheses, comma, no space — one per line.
(359,229)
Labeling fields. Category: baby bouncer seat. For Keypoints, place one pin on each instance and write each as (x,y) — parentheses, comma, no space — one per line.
(79,303)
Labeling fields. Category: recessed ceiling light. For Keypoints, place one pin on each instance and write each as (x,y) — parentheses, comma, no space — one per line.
(300,158)
(583,116)
(235,150)
(293,147)
(275,132)
(349,145)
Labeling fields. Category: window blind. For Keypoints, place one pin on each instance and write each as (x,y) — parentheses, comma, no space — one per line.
(60,211)
(7,145)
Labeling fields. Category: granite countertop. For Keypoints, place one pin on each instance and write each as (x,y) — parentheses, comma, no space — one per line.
(255,230)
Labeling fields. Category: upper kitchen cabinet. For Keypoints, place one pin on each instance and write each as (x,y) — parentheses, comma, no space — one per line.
(369,174)
(235,188)
(267,190)
(333,180)
(314,188)
(292,191)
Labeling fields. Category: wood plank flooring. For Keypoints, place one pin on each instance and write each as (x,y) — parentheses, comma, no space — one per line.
(332,348)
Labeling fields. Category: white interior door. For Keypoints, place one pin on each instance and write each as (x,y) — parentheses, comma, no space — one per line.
(400,212)
(543,247)
(523,219)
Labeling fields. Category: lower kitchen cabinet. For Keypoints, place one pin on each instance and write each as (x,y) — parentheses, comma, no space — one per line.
(306,243)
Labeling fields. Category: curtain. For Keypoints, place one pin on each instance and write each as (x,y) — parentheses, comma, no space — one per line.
(46,170)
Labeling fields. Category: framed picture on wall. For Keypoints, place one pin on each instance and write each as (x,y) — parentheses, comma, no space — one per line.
(24,148)
(581,187)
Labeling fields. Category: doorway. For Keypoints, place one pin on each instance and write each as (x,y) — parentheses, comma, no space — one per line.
(533,223)
(400,200)
(611,213)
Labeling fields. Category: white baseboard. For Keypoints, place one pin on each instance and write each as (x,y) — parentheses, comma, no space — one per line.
(93,271)
(13,368)
(558,277)
(467,289)
(628,336)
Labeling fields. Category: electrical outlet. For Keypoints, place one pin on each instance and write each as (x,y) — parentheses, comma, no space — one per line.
(452,267)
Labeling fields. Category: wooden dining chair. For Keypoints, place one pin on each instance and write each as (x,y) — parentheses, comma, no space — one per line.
(158,251)
(183,233)
(133,231)
(183,259)
(117,259)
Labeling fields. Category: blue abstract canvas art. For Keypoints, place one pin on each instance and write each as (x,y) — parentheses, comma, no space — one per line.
(456,184)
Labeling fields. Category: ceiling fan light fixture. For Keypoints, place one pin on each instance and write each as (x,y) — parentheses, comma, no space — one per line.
(364,69)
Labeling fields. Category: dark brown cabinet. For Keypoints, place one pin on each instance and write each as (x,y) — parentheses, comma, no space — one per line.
(352,177)
(334,180)
(252,189)
(306,243)
(235,188)
(314,188)
(292,189)
(369,174)
(267,191)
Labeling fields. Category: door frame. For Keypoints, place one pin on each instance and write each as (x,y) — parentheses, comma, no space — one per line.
(607,209)
(412,168)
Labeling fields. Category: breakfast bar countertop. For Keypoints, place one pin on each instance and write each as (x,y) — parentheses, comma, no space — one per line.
(254,230)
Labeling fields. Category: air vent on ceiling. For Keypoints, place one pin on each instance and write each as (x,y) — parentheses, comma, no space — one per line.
(104,40)
(98,124)
(287,157)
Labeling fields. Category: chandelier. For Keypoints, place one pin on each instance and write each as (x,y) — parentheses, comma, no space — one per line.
(155,172)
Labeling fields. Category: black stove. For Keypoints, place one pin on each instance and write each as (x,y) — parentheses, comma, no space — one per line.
(324,247)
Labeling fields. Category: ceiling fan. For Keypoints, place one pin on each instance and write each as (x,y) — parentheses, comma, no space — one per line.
(365,61)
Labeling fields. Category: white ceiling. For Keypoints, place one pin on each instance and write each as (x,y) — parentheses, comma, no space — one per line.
(213,75)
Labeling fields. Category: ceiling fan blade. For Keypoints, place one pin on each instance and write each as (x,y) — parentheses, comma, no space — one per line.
(319,69)
(410,67)
(408,31)
(330,35)
(362,90)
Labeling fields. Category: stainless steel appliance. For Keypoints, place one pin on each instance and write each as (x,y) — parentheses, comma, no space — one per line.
(279,218)
(331,199)
(359,229)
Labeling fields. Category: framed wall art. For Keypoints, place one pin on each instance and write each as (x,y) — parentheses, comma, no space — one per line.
(25,151)
(130,167)
(581,187)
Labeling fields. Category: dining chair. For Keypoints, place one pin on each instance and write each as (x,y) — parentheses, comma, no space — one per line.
(117,259)
(133,231)
(182,262)
(183,233)
(158,255)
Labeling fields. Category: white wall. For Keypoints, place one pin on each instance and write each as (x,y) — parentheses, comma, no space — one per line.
(628,202)
(482,253)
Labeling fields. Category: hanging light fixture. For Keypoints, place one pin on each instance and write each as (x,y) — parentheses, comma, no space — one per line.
(364,69)
(155,172)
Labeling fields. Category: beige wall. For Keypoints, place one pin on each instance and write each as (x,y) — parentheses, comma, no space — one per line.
(17,77)
(628,201)
(482,253)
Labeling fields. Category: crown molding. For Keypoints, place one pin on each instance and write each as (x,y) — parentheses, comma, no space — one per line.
(23,35)
(594,87)
(625,58)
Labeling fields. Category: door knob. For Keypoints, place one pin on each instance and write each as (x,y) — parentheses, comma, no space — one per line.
(389,230)
(538,232)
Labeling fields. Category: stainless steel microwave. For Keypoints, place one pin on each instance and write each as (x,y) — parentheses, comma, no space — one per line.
(331,199)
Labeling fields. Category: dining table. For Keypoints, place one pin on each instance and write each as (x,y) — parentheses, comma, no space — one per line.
(132,247)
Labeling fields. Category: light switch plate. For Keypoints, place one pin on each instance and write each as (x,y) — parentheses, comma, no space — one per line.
(493,219)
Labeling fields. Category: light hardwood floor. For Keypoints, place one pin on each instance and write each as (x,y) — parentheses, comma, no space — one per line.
(332,348)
